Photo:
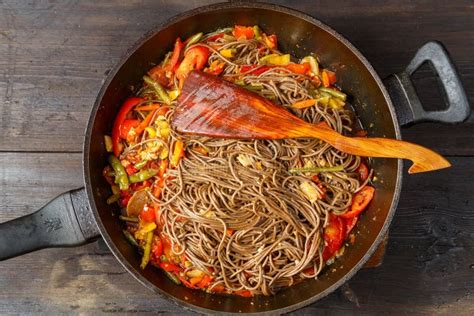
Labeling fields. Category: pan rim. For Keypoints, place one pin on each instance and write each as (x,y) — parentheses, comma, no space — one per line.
(148,35)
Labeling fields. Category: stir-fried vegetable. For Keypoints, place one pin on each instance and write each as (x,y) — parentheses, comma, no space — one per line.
(147,250)
(121,177)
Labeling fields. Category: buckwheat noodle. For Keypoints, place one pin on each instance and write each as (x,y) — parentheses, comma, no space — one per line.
(277,231)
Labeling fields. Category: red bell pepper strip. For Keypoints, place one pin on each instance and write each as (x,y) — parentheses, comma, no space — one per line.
(157,247)
(328,78)
(126,126)
(350,224)
(206,280)
(270,41)
(119,119)
(246,32)
(173,61)
(215,37)
(215,68)
(148,214)
(169,267)
(195,58)
(360,201)
(301,69)
(334,235)
(244,293)
(247,69)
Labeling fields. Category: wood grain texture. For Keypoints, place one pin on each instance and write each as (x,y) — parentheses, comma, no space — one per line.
(427,267)
(53,58)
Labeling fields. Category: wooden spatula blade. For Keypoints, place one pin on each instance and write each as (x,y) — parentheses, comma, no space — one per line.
(211,106)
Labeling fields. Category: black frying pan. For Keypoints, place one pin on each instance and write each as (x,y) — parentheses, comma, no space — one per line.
(80,216)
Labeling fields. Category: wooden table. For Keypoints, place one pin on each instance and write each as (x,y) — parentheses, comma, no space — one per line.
(54,56)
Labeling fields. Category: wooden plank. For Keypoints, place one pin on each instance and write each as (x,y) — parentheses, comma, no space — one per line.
(427,266)
(55,56)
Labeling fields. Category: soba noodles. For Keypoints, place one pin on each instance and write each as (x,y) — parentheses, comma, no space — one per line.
(233,208)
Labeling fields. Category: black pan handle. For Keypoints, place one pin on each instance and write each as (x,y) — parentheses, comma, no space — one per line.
(65,221)
(406,101)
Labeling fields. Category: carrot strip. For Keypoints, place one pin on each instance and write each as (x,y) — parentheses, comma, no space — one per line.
(150,107)
(304,104)
(144,123)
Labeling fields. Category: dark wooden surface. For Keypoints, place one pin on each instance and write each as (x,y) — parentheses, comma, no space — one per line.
(53,58)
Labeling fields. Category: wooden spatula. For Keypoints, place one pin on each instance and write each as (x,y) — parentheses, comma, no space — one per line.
(211,106)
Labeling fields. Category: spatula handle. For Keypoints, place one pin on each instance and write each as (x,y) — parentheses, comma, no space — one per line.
(423,159)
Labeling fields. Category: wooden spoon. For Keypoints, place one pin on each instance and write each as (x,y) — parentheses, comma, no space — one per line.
(211,106)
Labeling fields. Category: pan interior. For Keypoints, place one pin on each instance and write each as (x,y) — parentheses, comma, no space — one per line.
(299,35)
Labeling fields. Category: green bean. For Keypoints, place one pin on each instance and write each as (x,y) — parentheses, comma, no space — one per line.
(193,40)
(121,177)
(143,175)
(334,93)
(160,91)
(140,164)
(128,219)
(316,169)
(172,277)
(130,238)
(147,250)
(113,198)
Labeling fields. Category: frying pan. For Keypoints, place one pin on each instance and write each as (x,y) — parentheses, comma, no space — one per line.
(82,215)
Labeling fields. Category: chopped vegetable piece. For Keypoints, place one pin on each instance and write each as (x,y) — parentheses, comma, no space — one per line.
(121,177)
(158,73)
(304,104)
(245,32)
(205,282)
(270,40)
(137,202)
(147,214)
(328,78)
(313,63)
(215,37)
(109,147)
(127,106)
(360,201)
(130,238)
(195,273)
(147,250)
(178,153)
(150,107)
(301,69)
(113,198)
(275,59)
(334,235)
(310,190)
(228,53)
(128,219)
(157,247)
(160,91)
(253,69)
(140,164)
(244,160)
(350,224)
(195,58)
(173,277)
(193,40)
(215,68)
(317,169)
(170,267)
(174,94)
(143,175)
(335,93)
(244,293)
(173,61)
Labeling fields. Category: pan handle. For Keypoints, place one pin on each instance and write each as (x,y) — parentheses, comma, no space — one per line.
(406,101)
(65,221)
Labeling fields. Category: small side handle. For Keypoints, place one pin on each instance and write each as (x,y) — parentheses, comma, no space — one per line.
(404,96)
(66,221)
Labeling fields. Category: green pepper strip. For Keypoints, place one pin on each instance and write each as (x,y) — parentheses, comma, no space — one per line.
(334,93)
(143,175)
(121,177)
(193,40)
(160,91)
(140,164)
(147,250)
(172,277)
(130,238)
(128,219)
(113,198)
(317,169)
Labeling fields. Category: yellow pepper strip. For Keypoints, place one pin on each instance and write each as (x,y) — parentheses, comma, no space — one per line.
(108,143)
(275,59)
(228,53)
(178,152)
(174,94)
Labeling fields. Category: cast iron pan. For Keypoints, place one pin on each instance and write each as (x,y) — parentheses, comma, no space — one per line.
(80,216)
